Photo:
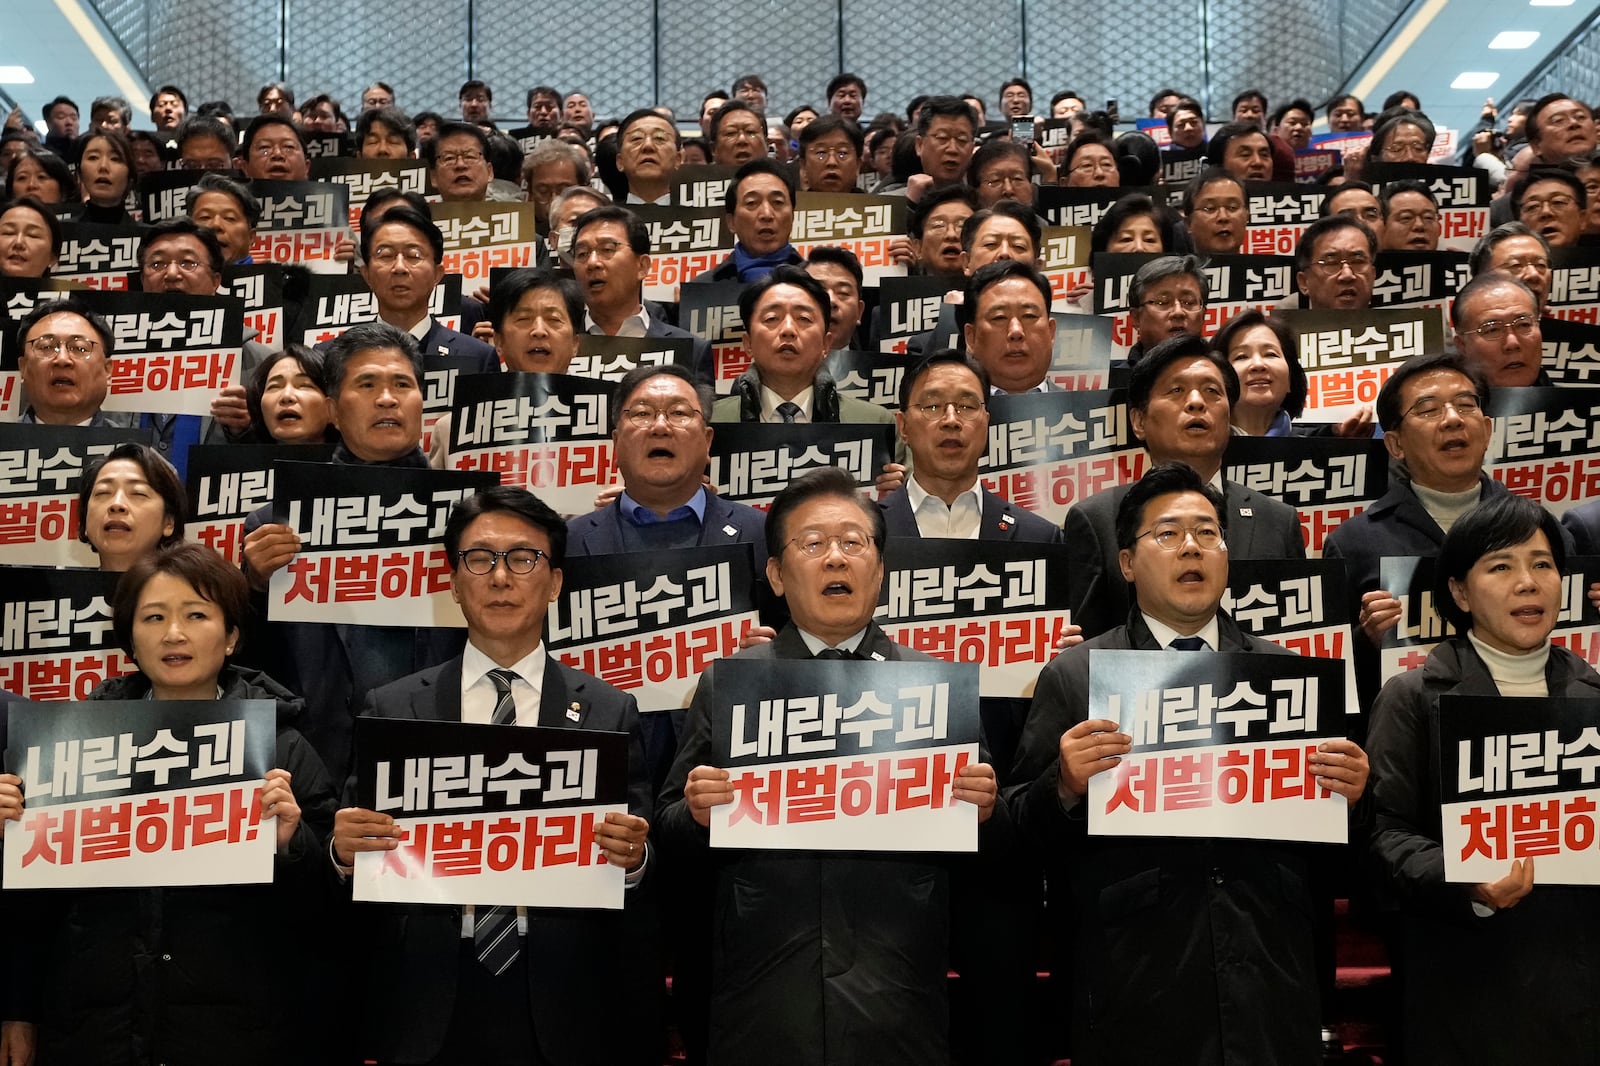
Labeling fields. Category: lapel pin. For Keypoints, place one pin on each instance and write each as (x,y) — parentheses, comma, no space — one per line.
(730,531)
(443,350)
(1006,521)
(572,712)
(1245,512)
(878,656)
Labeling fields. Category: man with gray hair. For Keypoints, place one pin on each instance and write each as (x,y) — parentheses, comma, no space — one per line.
(551,168)
(1496,322)
(111,113)
(1516,249)
(1168,297)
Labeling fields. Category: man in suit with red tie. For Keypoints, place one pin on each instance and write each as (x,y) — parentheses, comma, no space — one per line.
(490,985)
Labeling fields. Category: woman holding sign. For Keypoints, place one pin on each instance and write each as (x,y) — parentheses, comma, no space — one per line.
(182,975)
(1503,971)
(1272,384)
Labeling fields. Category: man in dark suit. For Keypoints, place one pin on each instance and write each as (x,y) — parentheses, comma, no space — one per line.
(944,421)
(663,444)
(862,977)
(1179,398)
(402,259)
(760,208)
(431,998)
(611,257)
(1185,950)
(373,381)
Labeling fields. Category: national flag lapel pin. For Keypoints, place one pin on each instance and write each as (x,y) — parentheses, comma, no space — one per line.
(730,530)
(1246,512)
(574,712)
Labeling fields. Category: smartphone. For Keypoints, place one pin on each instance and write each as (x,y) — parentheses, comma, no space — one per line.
(1111,109)
(1022,129)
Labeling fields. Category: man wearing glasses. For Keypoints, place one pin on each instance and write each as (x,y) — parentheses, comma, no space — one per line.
(1410,218)
(65,363)
(1168,297)
(1180,396)
(1336,264)
(1432,413)
(273,149)
(947,128)
(738,134)
(1554,204)
(663,446)
(458,162)
(611,258)
(647,156)
(866,969)
(1218,935)
(944,422)
(499,985)
(830,155)
(1496,323)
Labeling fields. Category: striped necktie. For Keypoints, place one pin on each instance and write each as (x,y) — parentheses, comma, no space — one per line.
(494,929)
(505,708)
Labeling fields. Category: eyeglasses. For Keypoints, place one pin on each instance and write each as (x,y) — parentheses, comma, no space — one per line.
(822,155)
(1393,148)
(1559,202)
(601,250)
(639,138)
(77,347)
(946,140)
(742,133)
(933,412)
(1232,207)
(450,159)
(387,255)
(159,266)
(1171,537)
(266,148)
(644,416)
(1495,330)
(1103,166)
(997,180)
(1407,218)
(1333,264)
(943,225)
(1431,409)
(813,543)
(1165,302)
(519,561)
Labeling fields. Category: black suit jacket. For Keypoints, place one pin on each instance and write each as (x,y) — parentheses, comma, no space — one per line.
(701,363)
(600,532)
(1258,527)
(1001,520)
(586,968)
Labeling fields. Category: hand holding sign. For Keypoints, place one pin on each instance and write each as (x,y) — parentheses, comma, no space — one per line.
(1380,612)
(1509,890)
(277,801)
(707,787)
(267,550)
(230,409)
(622,838)
(1341,766)
(1090,748)
(975,784)
(10,800)
(356,829)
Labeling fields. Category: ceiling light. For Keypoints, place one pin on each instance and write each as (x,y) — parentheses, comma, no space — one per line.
(1514,39)
(16,76)
(1549,3)
(1475,79)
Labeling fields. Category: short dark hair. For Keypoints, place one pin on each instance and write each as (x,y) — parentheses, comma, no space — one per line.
(52,222)
(1501,521)
(1248,94)
(1489,279)
(1389,412)
(199,565)
(839,81)
(788,120)
(1187,103)
(643,113)
(163,91)
(733,107)
(510,289)
(638,232)
(1209,176)
(506,499)
(57,102)
(283,90)
(392,117)
(1065,94)
(1336,191)
(214,182)
(761,164)
(543,90)
(1299,103)
(1391,189)
(1018,83)
(823,125)
(994,151)
(183,225)
(753,80)
(1142,378)
(1562,174)
(918,218)
(53,166)
(784,275)
(473,83)
(1162,479)
(157,471)
(1484,249)
(364,338)
(1134,205)
(1305,250)
(629,384)
(1294,401)
(1343,98)
(430,147)
(829,481)
(261,122)
(1531,125)
(67,306)
(312,362)
(1217,146)
(1018,212)
(406,215)
(991,274)
(839,257)
(937,358)
(1398,98)
(1088,136)
(945,107)
(199,125)
(1159,95)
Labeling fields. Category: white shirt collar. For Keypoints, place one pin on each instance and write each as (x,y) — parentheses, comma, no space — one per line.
(1165,634)
(960,519)
(420,330)
(635,325)
(770,401)
(475,667)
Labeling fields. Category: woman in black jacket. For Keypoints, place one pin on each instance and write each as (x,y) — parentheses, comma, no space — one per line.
(191,975)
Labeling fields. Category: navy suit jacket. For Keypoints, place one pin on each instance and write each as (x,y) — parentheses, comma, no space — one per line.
(1001,520)
(583,965)
(600,532)
(441,340)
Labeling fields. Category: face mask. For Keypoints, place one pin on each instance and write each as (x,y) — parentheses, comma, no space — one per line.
(564,245)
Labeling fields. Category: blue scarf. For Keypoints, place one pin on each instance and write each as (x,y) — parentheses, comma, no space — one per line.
(756,267)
